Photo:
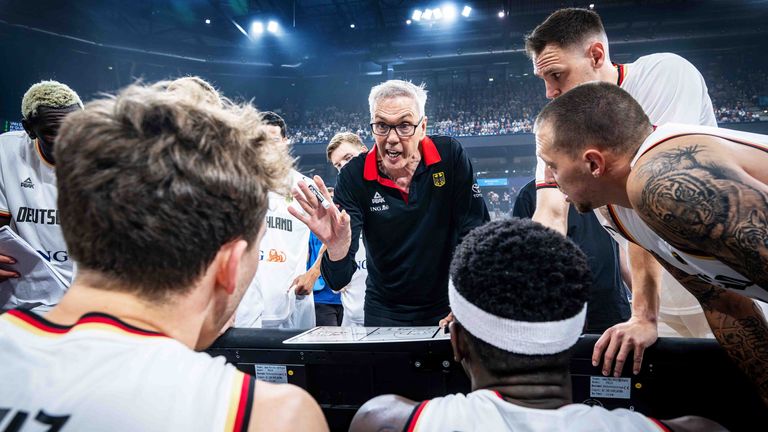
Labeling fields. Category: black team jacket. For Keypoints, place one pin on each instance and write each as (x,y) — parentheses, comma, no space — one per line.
(409,238)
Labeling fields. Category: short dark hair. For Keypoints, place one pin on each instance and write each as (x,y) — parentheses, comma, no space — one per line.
(152,183)
(519,269)
(273,119)
(595,114)
(565,27)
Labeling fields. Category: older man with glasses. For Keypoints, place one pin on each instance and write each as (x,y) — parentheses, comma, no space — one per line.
(413,196)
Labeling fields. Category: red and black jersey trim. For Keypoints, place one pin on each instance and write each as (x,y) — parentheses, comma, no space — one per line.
(43,324)
(660,424)
(410,425)
(38,322)
(621,69)
(619,226)
(545,185)
(244,408)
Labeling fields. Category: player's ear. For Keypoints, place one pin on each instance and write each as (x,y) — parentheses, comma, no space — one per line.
(28,128)
(458,341)
(228,261)
(595,162)
(597,54)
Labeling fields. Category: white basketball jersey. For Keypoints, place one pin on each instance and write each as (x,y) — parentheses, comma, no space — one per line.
(104,375)
(486,410)
(621,221)
(284,254)
(353,295)
(668,87)
(28,197)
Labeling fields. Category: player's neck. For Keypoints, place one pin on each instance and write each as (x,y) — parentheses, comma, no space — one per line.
(542,390)
(614,183)
(90,292)
(609,73)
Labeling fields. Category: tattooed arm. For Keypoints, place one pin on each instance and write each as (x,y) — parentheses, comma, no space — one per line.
(695,202)
(386,413)
(737,323)
(692,200)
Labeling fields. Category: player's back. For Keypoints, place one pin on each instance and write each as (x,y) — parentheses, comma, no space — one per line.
(104,375)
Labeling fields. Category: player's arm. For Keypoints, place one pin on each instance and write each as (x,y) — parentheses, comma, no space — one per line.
(304,283)
(694,201)
(5,219)
(686,195)
(284,407)
(551,206)
(736,321)
(386,413)
(641,331)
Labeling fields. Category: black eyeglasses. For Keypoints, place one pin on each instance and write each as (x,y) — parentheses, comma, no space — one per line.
(402,130)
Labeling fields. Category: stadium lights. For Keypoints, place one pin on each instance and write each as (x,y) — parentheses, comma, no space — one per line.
(449,12)
(591,5)
(408,22)
(501,14)
(351,26)
(257,27)
(207,20)
(272,26)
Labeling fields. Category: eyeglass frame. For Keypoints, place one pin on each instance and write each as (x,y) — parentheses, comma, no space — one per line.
(415,126)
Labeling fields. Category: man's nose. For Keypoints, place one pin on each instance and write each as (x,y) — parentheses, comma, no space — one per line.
(552,91)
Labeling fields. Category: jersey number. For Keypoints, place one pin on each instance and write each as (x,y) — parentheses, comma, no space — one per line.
(55,422)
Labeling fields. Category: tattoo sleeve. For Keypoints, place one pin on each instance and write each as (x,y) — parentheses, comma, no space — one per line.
(696,204)
(737,323)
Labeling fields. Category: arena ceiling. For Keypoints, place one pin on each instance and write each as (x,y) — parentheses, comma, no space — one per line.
(316,36)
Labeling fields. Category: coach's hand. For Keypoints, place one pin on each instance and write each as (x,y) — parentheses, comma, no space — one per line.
(6,274)
(330,225)
(634,335)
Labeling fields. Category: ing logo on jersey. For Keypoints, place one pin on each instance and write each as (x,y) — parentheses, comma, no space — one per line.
(438,179)
(275,256)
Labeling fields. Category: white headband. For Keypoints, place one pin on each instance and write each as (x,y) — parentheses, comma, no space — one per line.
(521,337)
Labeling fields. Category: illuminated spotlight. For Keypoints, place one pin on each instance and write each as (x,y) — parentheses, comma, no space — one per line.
(272,26)
(408,22)
(416,15)
(207,20)
(437,13)
(257,27)
(466,11)
(427,15)
(501,14)
(490,79)
(351,26)
(591,5)
(449,12)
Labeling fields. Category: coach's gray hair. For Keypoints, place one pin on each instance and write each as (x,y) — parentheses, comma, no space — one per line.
(395,88)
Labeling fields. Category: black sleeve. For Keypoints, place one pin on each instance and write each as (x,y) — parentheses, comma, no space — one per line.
(525,203)
(469,209)
(337,274)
